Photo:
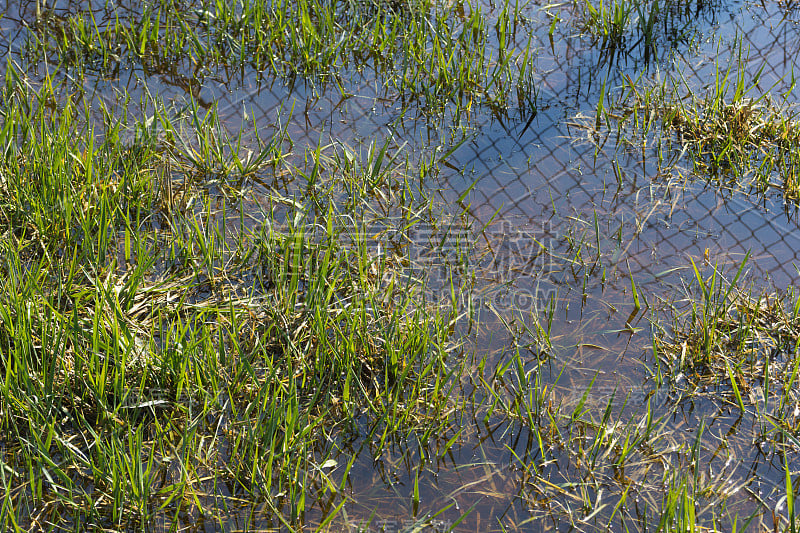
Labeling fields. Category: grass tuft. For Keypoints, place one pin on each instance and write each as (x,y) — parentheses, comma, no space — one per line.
(157,345)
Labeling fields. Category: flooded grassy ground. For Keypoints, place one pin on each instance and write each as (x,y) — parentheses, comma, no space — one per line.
(348,265)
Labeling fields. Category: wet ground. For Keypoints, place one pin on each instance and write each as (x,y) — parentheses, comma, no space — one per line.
(605,216)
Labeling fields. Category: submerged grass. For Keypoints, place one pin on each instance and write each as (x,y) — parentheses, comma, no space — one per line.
(428,53)
(156,346)
(725,334)
(197,324)
(624,28)
(738,348)
(733,131)
(602,464)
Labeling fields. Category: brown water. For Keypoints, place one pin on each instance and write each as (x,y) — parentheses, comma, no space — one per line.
(539,178)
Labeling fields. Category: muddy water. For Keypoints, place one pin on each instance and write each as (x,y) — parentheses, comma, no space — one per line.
(606,218)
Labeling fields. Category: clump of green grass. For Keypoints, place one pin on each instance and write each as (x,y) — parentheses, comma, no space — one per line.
(732,131)
(158,347)
(726,334)
(736,348)
(429,54)
(755,141)
(621,27)
(593,456)
(608,23)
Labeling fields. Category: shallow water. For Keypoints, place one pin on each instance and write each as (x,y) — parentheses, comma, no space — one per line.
(538,176)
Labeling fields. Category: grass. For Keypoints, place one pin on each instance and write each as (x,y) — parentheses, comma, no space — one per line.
(427,53)
(731,130)
(598,464)
(724,334)
(723,341)
(207,323)
(598,453)
(158,344)
(738,349)
(636,28)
